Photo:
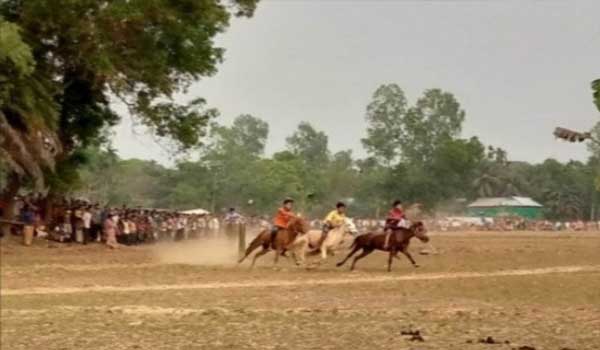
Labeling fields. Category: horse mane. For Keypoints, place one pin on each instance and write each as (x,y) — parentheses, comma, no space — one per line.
(297,225)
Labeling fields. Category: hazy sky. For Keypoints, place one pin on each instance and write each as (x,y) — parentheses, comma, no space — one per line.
(518,68)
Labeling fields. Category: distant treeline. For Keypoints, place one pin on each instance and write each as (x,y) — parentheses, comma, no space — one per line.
(415,152)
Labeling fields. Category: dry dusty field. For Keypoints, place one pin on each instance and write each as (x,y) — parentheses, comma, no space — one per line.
(517,290)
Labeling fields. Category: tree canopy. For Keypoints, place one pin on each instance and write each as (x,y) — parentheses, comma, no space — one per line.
(60,74)
(234,171)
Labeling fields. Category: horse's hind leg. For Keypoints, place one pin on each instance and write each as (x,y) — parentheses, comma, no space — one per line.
(354,250)
(258,255)
(364,253)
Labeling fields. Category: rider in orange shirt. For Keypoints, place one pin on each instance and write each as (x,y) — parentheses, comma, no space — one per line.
(283,217)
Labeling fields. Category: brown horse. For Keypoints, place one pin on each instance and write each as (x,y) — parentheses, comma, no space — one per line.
(279,243)
(399,242)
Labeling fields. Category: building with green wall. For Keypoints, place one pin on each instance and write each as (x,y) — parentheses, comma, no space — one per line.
(505,206)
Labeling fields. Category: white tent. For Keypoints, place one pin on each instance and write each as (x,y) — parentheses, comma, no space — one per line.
(198,211)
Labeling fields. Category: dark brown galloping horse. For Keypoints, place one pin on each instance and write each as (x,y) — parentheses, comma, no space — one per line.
(279,243)
(398,242)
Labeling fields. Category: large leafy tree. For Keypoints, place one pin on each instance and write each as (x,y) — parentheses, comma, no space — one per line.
(27,112)
(309,144)
(228,171)
(385,118)
(309,154)
(398,132)
(436,118)
(71,57)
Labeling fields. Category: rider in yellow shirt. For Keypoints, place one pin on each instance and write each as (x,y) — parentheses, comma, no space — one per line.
(334,219)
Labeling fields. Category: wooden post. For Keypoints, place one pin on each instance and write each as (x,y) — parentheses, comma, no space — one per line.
(241,238)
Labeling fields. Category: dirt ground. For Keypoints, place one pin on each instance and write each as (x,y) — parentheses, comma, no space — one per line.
(489,290)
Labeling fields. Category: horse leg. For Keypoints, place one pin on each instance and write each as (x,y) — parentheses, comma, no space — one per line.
(259,254)
(390,257)
(354,250)
(323,252)
(302,253)
(364,253)
(407,254)
(253,245)
(294,257)
(278,251)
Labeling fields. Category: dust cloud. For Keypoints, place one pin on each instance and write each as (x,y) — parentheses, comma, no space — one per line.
(205,251)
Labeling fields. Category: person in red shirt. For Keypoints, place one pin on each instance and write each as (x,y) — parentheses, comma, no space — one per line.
(283,217)
(394,217)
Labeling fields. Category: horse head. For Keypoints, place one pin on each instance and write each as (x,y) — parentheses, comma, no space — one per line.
(298,225)
(350,226)
(419,230)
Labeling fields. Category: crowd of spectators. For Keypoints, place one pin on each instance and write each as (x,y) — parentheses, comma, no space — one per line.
(78,221)
(459,223)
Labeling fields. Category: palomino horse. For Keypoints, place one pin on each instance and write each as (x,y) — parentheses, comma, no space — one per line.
(334,241)
(280,243)
(399,242)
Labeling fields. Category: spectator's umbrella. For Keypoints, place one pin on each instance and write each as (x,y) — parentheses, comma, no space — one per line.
(198,211)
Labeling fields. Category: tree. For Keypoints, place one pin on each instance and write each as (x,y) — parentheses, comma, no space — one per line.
(385,115)
(454,165)
(596,90)
(436,118)
(309,144)
(27,114)
(594,147)
(564,189)
(82,52)
(411,134)
(248,136)
(228,171)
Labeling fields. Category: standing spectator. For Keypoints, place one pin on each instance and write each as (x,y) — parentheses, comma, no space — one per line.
(232,217)
(28,219)
(96,226)
(87,223)
(77,224)
(123,237)
(110,232)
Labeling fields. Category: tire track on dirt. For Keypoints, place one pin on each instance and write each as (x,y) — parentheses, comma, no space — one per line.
(348,279)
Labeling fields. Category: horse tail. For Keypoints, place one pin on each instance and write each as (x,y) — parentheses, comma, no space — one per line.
(256,242)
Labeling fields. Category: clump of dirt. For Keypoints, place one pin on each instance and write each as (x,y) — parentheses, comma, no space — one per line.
(208,252)
(490,340)
(414,335)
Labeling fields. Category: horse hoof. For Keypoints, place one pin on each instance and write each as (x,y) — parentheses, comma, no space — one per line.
(415,265)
